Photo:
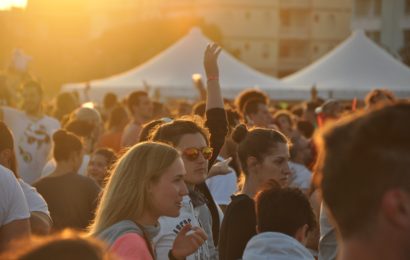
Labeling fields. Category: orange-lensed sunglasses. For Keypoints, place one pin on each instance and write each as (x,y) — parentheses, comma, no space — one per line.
(192,153)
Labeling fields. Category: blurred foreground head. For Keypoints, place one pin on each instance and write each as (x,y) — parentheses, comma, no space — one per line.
(87,114)
(67,245)
(364,163)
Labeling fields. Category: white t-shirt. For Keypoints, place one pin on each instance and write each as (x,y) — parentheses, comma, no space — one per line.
(34,199)
(300,177)
(51,166)
(13,205)
(32,141)
(222,187)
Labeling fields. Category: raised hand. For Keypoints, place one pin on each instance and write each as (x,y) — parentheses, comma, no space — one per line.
(186,244)
(199,85)
(220,168)
(210,60)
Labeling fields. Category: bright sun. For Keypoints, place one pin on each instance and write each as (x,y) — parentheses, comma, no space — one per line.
(7,4)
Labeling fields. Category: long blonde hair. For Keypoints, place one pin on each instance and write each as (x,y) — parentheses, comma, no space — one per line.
(125,195)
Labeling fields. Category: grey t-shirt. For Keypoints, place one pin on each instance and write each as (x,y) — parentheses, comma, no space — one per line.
(327,243)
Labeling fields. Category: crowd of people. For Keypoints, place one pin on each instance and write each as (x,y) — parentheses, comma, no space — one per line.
(214,179)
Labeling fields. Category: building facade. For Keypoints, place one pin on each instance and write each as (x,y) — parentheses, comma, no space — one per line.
(387,22)
(277,37)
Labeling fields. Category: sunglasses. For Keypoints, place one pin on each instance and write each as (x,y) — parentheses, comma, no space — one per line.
(193,153)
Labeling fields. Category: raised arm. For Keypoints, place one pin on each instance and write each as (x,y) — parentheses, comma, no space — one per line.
(217,124)
(216,120)
(214,96)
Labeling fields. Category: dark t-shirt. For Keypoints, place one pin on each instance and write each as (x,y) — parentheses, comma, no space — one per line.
(238,227)
(71,199)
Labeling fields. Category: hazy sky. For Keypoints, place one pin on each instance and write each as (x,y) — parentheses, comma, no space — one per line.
(7,4)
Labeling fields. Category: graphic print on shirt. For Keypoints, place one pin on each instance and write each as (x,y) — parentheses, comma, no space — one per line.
(200,253)
(181,225)
(35,139)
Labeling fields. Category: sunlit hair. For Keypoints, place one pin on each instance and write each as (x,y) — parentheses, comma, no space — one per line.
(126,193)
(172,132)
(148,128)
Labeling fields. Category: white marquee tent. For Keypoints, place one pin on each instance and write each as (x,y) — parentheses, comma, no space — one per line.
(353,68)
(171,72)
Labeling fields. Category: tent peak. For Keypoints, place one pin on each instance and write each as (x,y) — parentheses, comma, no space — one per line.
(358,32)
(195,31)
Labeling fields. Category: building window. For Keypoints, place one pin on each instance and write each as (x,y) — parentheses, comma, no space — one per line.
(236,53)
(332,19)
(316,18)
(377,8)
(374,35)
(265,55)
(407,7)
(406,36)
(265,51)
(362,7)
(284,51)
(284,18)
(247,46)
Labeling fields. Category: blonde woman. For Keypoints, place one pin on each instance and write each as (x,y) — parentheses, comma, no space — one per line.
(146,183)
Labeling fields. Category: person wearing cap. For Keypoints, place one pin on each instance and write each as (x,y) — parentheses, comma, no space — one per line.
(330,110)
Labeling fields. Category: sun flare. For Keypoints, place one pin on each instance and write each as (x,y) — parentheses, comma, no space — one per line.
(7,4)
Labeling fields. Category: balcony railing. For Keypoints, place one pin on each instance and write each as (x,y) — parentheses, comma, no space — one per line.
(292,63)
(294,3)
(293,32)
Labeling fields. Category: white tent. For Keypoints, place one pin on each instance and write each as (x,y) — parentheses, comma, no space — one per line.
(171,72)
(352,69)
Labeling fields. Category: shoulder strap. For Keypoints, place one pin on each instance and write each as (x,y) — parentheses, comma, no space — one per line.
(147,239)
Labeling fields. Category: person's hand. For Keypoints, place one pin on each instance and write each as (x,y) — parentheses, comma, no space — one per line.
(186,244)
(199,85)
(210,60)
(220,168)
(147,87)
